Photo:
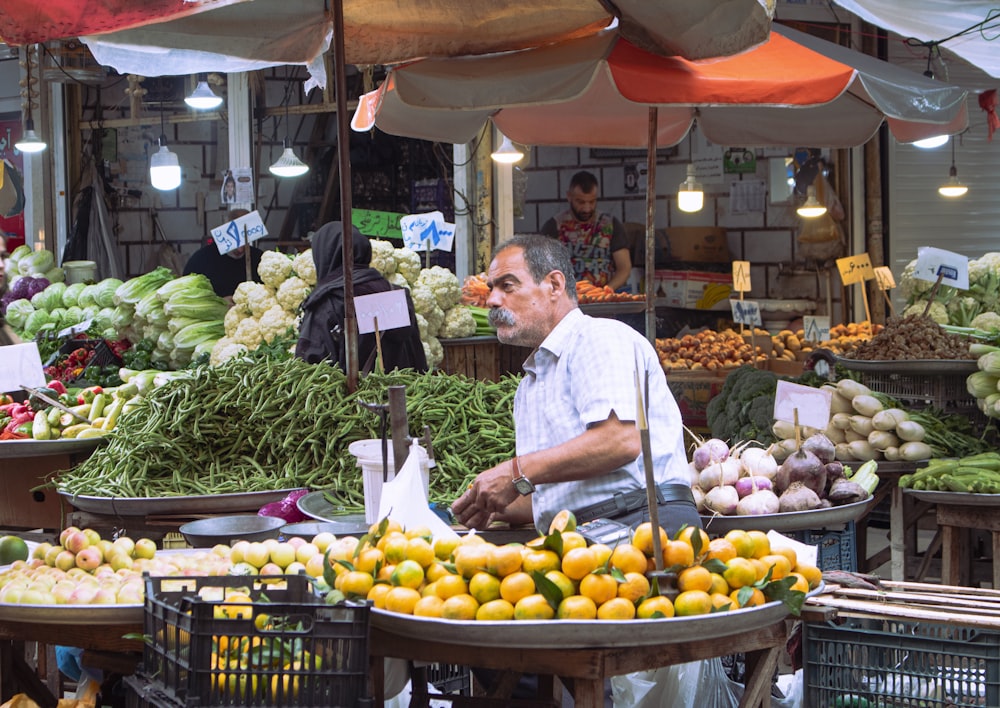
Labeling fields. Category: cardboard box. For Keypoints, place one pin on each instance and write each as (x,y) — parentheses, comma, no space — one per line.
(699,244)
(694,289)
(692,391)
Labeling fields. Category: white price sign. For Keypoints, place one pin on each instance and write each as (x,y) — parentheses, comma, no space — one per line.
(20,365)
(239,232)
(816,329)
(389,307)
(746,312)
(811,404)
(424,231)
(952,267)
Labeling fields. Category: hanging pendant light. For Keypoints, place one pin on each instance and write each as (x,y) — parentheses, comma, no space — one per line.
(690,196)
(811,208)
(929,143)
(164,167)
(288,165)
(30,141)
(507,153)
(203,97)
(953,188)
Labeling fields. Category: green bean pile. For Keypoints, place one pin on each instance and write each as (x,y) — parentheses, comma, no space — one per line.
(249,426)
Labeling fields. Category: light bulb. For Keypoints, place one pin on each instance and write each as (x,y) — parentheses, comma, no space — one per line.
(952,188)
(30,142)
(288,165)
(933,142)
(507,153)
(690,197)
(164,169)
(203,97)
(811,208)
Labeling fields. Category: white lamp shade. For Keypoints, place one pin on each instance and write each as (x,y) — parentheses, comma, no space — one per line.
(507,153)
(288,165)
(811,208)
(953,188)
(203,98)
(690,195)
(30,142)
(928,143)
(164,169)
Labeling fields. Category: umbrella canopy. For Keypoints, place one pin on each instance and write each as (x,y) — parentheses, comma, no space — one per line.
(794,90)
(233,35)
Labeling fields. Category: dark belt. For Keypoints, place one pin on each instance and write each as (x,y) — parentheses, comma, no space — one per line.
(626,502)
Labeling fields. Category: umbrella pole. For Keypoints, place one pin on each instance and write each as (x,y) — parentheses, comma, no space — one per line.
(650,263)
(344,156)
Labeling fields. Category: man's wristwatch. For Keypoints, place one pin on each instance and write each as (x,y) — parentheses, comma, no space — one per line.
(522,484)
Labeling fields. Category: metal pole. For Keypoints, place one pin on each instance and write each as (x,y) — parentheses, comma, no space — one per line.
(650,263)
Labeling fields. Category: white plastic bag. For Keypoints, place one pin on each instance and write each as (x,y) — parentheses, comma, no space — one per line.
(697,684)
(404,500)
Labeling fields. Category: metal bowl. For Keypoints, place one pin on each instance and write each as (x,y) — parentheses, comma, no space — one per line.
(206,533)
(308,529)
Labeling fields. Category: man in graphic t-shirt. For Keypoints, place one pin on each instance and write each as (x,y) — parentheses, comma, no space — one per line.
(597,243)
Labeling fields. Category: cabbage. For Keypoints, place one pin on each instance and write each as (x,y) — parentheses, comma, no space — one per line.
(74,315)
(35,321)
(104,294)
(18,312)
(89,312)
(86,298)
(55,275)
(134,289)
(36,263)
(147,305)
(165,342)
(196,284)
(36,285)
(17,254)
(123,317)
(104,319)
(71,296)
(58,316)
(52,296)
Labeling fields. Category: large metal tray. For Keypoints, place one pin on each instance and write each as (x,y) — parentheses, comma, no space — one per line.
(316,506)
(142,506)
(911,366)
(958,498)
(38,448)
(612,308)
(789,521)
(580,634)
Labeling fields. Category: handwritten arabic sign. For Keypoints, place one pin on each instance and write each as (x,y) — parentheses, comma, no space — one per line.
(381,224)
(430,230)
(20,365)
(855,269)
(746,312)
(816,329)
(812,404)
(389,307)
(884,279)
(953,267)
(741,276)
(236,233)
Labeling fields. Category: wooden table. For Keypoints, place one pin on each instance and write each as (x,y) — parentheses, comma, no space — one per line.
(583,671)
(953,520)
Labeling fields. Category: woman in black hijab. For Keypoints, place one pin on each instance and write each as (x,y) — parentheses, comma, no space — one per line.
(321,334)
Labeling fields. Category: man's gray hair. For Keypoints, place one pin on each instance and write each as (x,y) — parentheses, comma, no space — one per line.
(543,255)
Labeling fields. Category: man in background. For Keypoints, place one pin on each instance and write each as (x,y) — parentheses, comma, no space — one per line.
(225,270)
(597,242)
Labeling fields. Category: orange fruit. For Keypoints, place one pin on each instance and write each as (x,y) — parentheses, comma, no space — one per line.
(428,606)
(687,534)
(516,586)
(692,602)
(740,572)
(599,587)
(722,549)
(368,559)
(655,607)
(677,554)
(603,553)
(800,584)
(642,538)
(505,560)
(694,578)
(429,589)
(617,608)
(393,545)
(390,526)
(402,600)
(533,607)
(577,562)
(542,560)
(721,602)
(444,547)
(356,583)
(495,610)
(419,532)
(460,607)
(756,598)
(409,574)
(385,572)
(484,587)
(571,540)
(779,565)
(719,584)
(635,587)
(577,607)
(742,542)
(760,566)
(470,558)
(812,574)
(788,553)
(449,585)
(628,559)
(436,571)
(566,586)
(420,550)
(377,594)
(761,543)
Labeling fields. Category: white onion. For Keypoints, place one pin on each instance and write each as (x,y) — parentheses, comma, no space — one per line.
(722,500)
(720,474)
(759,462)
(709,451)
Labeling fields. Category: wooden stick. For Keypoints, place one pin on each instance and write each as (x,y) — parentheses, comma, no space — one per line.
(879,610)
(933,293)
(864,298)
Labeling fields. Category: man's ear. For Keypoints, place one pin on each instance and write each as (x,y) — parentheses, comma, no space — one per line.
(557,281)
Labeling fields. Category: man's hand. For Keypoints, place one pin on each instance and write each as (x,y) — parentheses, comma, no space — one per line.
(491,493)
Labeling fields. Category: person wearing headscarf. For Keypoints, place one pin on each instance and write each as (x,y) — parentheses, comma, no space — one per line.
(321,334)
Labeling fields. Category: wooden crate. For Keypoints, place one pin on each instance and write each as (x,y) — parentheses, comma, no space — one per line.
(482,358)
(21,508)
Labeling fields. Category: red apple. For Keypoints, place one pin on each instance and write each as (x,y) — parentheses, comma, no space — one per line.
(89,558)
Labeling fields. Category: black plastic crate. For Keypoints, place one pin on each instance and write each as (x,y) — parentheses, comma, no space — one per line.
(285,648)
(892,662)
(452,679)
(835,550)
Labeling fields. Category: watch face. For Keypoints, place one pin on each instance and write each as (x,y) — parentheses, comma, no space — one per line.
(524,485)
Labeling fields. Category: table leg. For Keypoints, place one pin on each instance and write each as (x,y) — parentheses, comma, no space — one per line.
(951,556)
(588,693)
(376,672)
(761,666)
(996,560)
(897,536)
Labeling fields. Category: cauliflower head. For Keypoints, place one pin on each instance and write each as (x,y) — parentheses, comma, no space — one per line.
(422,326)
(435,318)
(274,323)
(407,264)
(397,279)
(433,351)
(458,322)
(443,283)
(274,268)
(304,266)
(248,333)
(224,350)
(423,299)
(292,292)
(242,294)
(383,258)
(938,312)
(234,315)
(259,299)
(987,321)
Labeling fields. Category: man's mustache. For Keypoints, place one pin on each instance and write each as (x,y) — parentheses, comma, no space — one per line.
(499,316)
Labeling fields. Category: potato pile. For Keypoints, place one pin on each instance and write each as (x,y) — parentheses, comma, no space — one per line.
(707,350)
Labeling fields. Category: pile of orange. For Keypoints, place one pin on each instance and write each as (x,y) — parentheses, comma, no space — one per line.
(560,576)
